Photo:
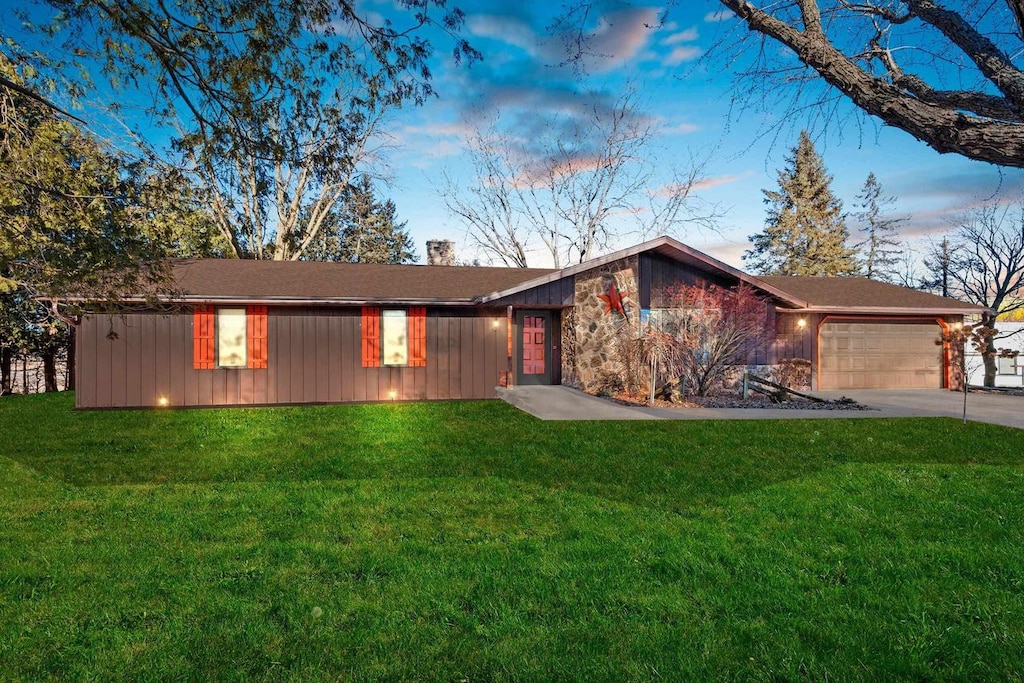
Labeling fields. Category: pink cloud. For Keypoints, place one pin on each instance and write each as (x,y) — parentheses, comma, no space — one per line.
(708,183)
(702,184)
(620,35)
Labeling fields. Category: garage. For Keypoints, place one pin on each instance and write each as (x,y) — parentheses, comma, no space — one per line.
(880,355)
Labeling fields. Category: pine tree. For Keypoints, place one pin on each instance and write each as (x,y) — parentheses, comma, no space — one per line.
(939,265)
(880,246)
(805,231)
(364,230)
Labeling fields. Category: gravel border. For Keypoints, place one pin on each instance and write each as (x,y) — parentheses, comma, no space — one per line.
(735,402)
(795,404)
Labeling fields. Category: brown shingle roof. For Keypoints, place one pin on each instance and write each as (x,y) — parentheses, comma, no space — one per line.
(317,281)
(860,292)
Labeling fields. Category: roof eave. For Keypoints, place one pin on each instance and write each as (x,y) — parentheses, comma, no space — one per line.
(885,310)
(289,301)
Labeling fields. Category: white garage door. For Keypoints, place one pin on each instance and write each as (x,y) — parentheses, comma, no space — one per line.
(870,355)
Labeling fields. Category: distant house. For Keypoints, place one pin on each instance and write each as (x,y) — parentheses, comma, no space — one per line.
(1009,370)
(263,332)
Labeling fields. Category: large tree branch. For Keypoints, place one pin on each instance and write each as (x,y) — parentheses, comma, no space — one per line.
(983,104)
(993,63)
(1017,7)
(944,130)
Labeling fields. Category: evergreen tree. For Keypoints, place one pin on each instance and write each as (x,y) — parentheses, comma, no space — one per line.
(805,232)
(880,246)
(939,265)
(363,230)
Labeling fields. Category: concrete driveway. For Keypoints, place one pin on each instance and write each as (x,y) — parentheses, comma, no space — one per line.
(993,408)
(565,403)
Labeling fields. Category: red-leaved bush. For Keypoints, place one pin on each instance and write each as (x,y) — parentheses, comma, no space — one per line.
(712,328)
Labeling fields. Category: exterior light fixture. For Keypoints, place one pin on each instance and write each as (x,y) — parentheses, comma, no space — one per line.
(392,394)
(801,323)
(495,324)
(163,402)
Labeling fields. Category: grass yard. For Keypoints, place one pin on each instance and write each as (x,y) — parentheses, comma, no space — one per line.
(468,541)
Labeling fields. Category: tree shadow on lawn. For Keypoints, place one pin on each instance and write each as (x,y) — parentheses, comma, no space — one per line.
(667,465)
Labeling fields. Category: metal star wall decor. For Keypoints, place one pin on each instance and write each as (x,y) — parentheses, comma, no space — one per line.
(613,300)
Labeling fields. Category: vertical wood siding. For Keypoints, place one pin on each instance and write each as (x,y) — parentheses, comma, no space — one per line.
(558,293)
(657,274)
(314,355)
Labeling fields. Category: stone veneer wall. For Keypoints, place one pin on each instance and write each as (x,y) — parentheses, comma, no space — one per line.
(589,334)
(595,328)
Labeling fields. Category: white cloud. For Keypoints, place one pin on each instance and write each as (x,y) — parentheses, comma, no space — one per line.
(720,15)
(680,129)
(683,53)
(509,30)
(687,36)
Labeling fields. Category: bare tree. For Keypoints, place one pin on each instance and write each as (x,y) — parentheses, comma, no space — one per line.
(557,193)
(274,105)
(712,329)
(980,339)
(987,268)
(905,62)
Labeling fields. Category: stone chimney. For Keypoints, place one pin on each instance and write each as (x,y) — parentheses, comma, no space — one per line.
(440,253)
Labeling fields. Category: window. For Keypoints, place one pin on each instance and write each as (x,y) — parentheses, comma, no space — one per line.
(394,337)
(229,337)
(1007,365)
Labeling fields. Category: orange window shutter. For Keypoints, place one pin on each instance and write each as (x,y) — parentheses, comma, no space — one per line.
(202,338)
(371,337)
(418,337)
(256,322)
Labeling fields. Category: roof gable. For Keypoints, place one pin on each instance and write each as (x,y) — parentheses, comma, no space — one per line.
(666,246)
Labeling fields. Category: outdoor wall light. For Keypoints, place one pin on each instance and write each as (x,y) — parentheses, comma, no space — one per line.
(163,401)
(801,323)
(495,323)
(392,394)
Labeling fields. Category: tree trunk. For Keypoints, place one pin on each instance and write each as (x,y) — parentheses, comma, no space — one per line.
(71,374)
(989,357)
(49,371)
(6,367)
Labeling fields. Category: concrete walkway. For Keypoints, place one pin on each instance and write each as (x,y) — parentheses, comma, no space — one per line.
(565,403)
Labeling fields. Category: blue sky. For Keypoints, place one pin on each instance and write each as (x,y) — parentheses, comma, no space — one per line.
(687,97)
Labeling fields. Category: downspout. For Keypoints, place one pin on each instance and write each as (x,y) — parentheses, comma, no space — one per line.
(509,377)
(947,356)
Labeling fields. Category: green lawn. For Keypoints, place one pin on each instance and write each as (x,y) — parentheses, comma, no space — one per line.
(468,541)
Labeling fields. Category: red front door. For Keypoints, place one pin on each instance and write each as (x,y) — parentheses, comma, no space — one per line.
(533,345)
